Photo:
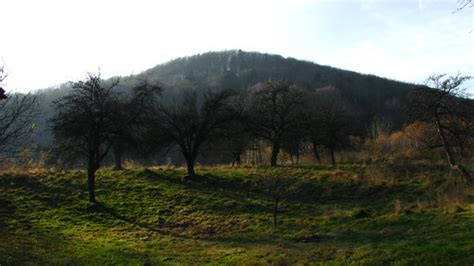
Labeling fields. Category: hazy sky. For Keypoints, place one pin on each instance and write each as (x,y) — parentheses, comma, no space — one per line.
(44,43)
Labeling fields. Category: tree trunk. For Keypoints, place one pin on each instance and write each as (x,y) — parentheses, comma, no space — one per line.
(275,151)
(91,183)
(297,153)
(316,153)
(446,146)
(275,212)
(333,161)
(453,163)
(237,159)
(190,166)
(118,157)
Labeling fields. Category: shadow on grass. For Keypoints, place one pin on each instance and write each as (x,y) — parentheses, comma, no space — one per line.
(48,193)
(241,197)
(6,210)
(101,208)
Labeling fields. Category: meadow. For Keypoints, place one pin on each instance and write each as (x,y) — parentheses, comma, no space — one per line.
(413,213)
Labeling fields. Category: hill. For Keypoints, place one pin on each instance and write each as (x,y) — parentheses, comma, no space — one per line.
(351,214)
(373,97)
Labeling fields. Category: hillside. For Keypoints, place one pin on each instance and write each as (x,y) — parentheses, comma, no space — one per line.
(350,214)
(372,96)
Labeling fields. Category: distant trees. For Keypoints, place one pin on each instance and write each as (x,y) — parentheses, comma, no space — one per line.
(275,109)
(443,104)
(88,121)
(196,118)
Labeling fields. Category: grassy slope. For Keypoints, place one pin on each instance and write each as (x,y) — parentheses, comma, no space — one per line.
(151,216)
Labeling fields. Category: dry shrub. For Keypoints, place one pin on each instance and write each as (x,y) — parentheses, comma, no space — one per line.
(410,143)
(130,164)
(341,176)
(376,176)
(454,194)
(421,206)
(398,208)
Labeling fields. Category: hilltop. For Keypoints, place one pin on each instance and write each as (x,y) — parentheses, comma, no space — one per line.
(239,70)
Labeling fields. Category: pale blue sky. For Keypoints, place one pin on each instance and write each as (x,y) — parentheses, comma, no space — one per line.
(44,43)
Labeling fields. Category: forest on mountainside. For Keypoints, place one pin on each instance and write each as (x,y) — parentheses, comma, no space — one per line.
(375,102)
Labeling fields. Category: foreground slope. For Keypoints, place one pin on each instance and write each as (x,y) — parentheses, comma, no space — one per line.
(353,213)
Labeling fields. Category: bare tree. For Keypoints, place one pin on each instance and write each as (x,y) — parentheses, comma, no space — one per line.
(294,143)
(275,109)
(89,120)
(131,117)
(276,188)
(17,113)
(236,140)
(443,103)
(194,120)
(84,123)
(329,121)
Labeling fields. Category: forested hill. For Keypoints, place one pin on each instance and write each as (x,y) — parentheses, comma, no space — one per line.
(237,69)
(371,95)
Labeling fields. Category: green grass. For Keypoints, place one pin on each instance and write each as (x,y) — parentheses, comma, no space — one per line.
(155,217)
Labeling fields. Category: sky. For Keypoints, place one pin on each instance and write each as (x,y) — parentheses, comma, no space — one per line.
(45,43)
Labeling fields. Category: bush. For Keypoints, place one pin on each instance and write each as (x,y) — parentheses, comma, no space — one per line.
(413,142)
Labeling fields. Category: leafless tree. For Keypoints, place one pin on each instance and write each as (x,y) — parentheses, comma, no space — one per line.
(17,113)
(275,109)
(195,119)
(443,103)
(90,120)
(132,115)
(276,188)
(236,139)
(84,123)
(329,121)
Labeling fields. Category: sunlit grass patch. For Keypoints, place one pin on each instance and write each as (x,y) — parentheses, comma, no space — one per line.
(151,215)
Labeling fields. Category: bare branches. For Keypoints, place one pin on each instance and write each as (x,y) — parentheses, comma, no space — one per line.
(17,113)
(85,122)
(463,4)
(274,110)
(443,104)
(3,76)
(329,122)
(196,119)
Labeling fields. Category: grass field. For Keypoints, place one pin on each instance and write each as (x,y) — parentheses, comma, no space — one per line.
(349,214)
